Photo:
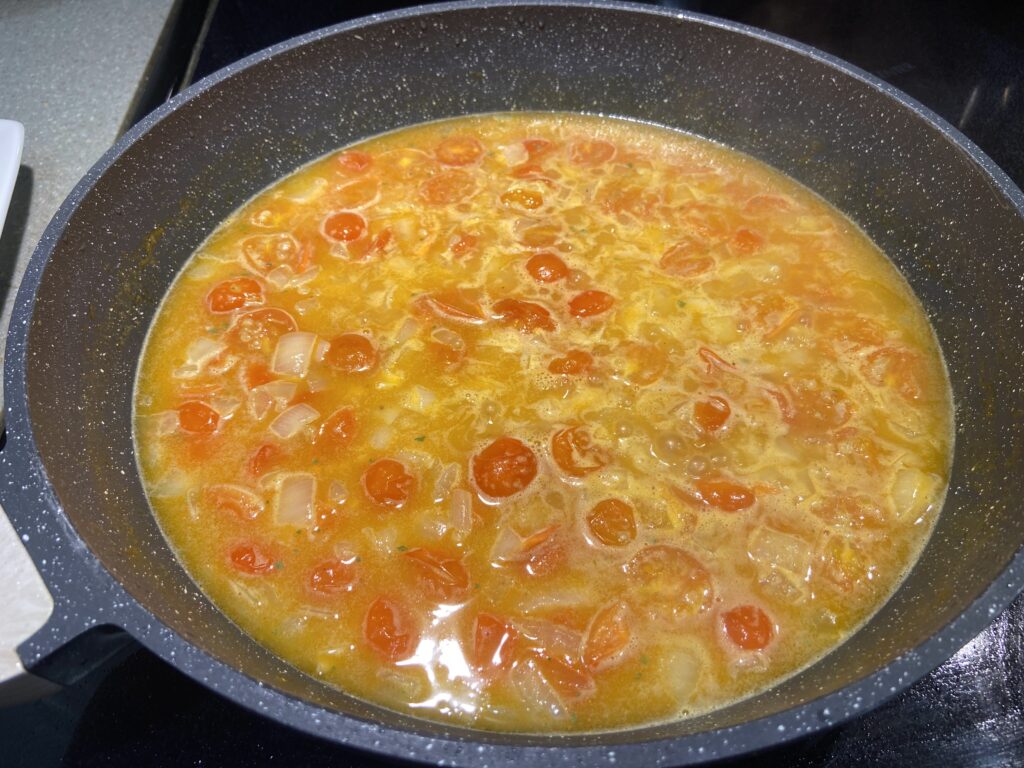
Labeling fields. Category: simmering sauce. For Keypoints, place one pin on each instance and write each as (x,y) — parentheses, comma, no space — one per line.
(542,422)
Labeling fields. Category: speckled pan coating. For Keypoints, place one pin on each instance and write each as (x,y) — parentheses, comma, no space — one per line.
(951,220)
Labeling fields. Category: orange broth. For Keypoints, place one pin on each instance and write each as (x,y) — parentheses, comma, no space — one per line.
(543,422)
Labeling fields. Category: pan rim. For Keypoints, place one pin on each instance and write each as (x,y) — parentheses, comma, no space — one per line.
(464,745)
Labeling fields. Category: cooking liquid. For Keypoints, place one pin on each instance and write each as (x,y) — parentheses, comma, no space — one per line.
(543,422)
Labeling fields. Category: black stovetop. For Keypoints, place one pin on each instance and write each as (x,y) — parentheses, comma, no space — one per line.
(966,62)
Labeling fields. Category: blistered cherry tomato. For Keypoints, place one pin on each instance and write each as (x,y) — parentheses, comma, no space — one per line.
(236,293)
(344,226)
(351,353)
(575,363)
(197,418)
(339,429)
(443,577)
(590,303)
(524,316)
(388,484)
(333,577)
(612,522)
(724,494)
(494,642)
(459,150)
(505,467)
(748,627)
(575,452)
(711,414)
(251,559)
(546,267)
(390,630)
(608,636)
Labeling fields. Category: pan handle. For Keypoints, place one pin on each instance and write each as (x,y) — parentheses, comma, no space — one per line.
(25,605)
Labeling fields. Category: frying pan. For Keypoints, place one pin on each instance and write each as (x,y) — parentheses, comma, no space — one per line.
(950,220)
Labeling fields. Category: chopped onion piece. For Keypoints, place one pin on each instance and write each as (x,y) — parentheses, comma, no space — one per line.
(289,423)
(461,509)
(280,277)
(304,277)
(199,353)
(166,422)
(420,398)
(320,351)
(225,406)
(769,547)
(556,638)
(388,415)
(306,305)
(281,392)
(445,482)
(507,545)
(174,483)
(317,384)
(295,499)
(381,438)
(337,492)
(293,353)
(514,154)
(407,331)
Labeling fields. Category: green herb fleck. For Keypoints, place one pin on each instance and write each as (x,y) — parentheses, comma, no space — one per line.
(680,303)
(644,660)
(476,585)
(278,565)
(316,461)
(420,438)
(402,548)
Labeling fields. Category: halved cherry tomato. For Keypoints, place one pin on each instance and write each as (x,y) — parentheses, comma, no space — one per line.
(260,329)
(612,522)
(351,353)
(713,360)
(453,304)
(344,226)
(447,187)
(444,578)
(671,584)
(197,418)
(543,551)
(571,680)
(463,244)
(236,293)
(505,467)
(524,316)
(608,636)
(540,235)
(387,483)
(575,363)
(748,627)
(263,458)
(494,643)
(224,499)
(546,267)
(521,197)
(339,429)
(644,364)
(251,559)
(355,194)
(264,253)
(816,409)
(459,150)
(353,161)
(711,414)
(256,374)
(724,494)
(747,241)
(537,147)
(333,577)
(591,152)
(390,630)
(590,303)
(898,368)
(575,452)
(687,258)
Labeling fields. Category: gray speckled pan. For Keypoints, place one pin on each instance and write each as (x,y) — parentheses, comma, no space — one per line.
(947,216)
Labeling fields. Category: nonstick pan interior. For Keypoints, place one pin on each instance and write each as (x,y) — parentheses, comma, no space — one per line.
(954,227)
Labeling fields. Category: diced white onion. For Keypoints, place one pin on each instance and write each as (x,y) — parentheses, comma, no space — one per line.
(337,492)
(174,483)
(306,305)
(514,154)
(293,353)
(281,392)
(556,638)
(199,353)
(407,331)
(304,277)
(446,480)
(225,406)
(280,277)
(320,351)
(381,539)
(461,509)
(536,693)
(507,545)
(317,384)
(381,438)
(295,499)
(913,493)
(388,415)
(166,422)
(420,398)
(291,422)
(773,548)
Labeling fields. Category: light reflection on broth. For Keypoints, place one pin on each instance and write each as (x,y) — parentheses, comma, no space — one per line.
(543,422)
